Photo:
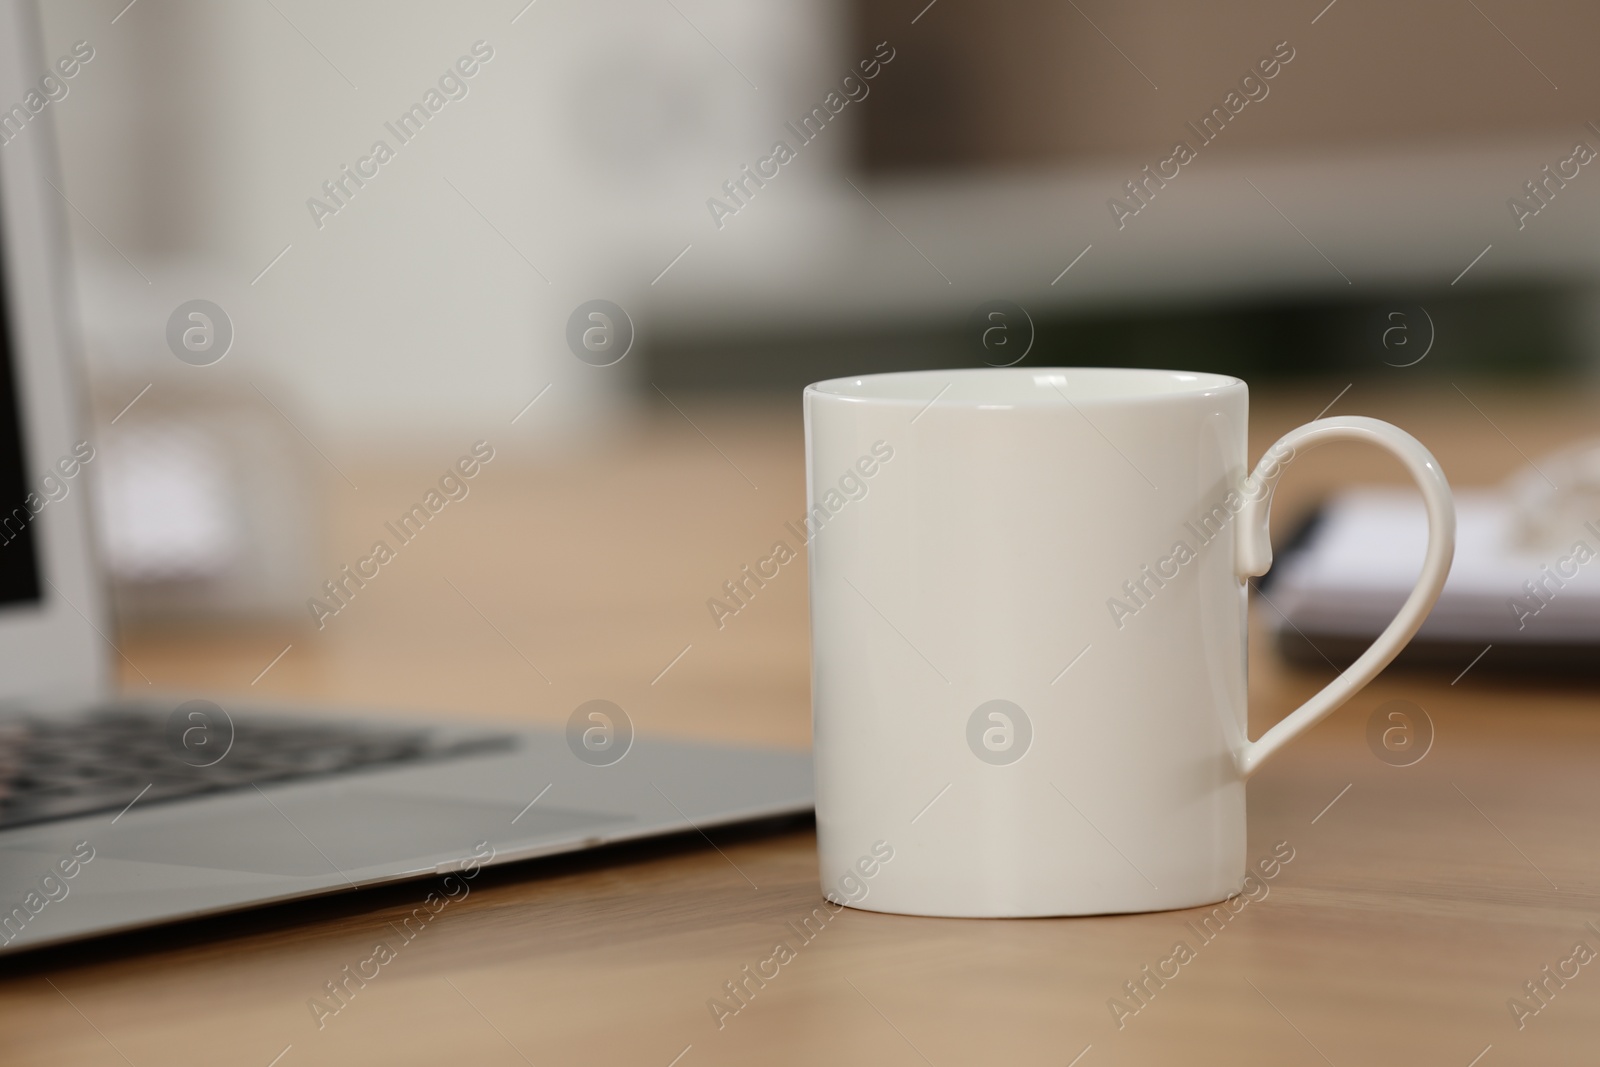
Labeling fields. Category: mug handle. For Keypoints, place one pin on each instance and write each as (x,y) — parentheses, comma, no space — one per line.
(1253,557)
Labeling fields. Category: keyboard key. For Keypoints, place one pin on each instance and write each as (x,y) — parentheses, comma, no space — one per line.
(61,768)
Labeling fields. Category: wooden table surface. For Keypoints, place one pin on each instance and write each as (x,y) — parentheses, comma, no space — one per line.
(1415,907)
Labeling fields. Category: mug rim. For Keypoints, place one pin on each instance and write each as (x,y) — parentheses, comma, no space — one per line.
(1109,385)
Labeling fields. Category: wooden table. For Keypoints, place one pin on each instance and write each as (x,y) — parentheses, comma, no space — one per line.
(1419,900)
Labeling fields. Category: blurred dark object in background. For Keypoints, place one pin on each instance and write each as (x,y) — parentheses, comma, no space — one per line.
(1532,332)
(1329,229)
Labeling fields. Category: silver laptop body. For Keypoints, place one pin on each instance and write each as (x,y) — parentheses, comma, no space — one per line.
(116,816)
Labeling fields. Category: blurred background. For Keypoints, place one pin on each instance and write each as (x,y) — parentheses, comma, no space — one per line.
(1348,233)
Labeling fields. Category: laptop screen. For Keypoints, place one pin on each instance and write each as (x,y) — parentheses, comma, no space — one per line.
(19,554)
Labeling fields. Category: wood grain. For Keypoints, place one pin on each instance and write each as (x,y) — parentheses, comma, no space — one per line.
(1415,906)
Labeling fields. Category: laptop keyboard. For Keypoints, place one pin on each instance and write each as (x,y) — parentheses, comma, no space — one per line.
(59,768)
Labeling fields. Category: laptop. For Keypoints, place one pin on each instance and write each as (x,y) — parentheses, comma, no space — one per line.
(119,814)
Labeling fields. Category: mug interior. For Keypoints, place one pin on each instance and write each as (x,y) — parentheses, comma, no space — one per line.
(1012,386)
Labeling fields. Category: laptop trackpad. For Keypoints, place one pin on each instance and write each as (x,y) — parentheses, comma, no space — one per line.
(340,833)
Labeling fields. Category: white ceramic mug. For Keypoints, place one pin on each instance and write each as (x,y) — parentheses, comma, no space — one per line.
(1028,624)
